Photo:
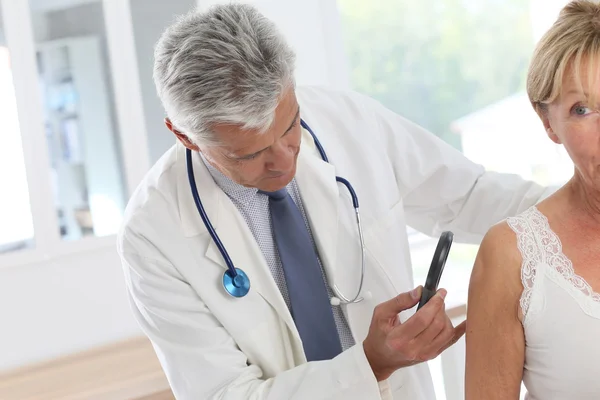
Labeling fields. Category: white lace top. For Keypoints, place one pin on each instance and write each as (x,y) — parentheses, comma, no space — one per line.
(561,317)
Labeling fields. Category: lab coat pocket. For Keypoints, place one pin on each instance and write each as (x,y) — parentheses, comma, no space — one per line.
(269,347)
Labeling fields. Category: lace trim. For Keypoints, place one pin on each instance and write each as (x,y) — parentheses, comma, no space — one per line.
(538,244)
(530,254)
(556,259)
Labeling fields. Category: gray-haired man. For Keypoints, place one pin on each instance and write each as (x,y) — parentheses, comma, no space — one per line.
(226,79)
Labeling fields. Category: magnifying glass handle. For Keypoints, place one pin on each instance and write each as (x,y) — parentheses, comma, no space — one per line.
(426,295)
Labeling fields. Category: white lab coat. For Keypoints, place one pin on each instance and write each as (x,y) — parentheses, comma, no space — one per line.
(213,346)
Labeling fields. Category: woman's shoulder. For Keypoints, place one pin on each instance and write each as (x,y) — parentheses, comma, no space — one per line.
(500,243)
(496,275)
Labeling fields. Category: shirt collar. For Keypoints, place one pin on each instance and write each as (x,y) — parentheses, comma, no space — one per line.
(234,190)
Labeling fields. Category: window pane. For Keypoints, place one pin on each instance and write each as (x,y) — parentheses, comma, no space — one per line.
(149,21)
(458,68)
(81,130)
(16,225)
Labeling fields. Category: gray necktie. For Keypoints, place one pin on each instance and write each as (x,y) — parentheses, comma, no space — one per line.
(309,299)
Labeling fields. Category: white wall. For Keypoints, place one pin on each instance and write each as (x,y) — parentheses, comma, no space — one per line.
(52,307)
(2,38)
(61,306)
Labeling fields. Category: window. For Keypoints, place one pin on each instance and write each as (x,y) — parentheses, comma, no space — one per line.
(149,19)
(77,146)
(79,117)
(16,226)
(457,68)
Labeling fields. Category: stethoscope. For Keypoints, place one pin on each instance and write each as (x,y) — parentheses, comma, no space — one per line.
(235,280)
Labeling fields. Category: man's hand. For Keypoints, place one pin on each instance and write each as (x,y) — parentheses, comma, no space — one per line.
(391,345)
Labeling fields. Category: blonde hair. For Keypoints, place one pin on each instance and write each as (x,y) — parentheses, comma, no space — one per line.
(574,36)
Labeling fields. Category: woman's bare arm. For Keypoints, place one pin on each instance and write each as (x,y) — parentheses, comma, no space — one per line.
(495,340)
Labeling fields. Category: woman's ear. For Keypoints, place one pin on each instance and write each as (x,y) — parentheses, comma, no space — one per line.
(553,136)
(544,114)
(184,139)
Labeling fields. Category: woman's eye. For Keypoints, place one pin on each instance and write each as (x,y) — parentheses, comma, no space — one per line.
(581,110)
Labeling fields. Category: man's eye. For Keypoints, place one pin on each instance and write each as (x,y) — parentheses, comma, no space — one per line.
(250,157)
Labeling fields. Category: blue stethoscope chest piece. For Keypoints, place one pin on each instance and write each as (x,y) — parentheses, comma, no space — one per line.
(238,285)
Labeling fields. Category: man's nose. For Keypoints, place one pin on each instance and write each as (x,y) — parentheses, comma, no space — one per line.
(282,157)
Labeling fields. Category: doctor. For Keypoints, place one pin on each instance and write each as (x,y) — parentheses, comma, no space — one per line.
(243,257)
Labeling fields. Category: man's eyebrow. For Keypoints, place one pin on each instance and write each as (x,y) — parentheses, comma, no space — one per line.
(287,130)
(293,121)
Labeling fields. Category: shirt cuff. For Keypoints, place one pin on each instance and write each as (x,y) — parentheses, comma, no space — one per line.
(385,390)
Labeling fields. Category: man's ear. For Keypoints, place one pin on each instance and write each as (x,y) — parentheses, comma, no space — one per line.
(542,112)
(184,139)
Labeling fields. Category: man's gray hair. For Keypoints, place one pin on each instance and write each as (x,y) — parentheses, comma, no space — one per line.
(228,65)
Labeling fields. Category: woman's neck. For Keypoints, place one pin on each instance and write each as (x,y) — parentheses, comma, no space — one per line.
(587,200)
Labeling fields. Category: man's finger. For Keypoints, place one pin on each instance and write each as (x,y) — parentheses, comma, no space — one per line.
(438,326)
(446,338)
(433,347)
(418,322)
(459,331)
(403,301)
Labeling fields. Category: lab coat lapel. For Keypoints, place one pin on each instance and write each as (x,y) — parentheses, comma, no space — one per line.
(233,232)
(246,255)
(319,192)
(324,201)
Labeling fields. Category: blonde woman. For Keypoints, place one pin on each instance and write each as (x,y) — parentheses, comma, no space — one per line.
(534,306)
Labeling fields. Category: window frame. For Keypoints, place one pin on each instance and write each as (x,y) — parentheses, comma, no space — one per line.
(18,30)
